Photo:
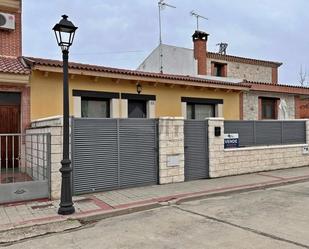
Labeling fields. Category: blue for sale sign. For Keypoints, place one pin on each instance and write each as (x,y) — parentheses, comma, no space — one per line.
(231,140)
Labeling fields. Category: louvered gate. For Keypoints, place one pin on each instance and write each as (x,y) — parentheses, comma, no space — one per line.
(196,149)
(113,153)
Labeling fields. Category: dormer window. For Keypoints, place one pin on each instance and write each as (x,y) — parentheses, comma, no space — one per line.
(218,69)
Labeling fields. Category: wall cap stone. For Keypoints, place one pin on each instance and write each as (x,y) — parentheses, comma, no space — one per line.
(266,147)
(58,117)
(215,119)
(171,118)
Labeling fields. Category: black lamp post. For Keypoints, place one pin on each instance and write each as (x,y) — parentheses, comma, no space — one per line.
(65,31)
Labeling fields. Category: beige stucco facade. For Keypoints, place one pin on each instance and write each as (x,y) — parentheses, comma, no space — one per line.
(46,95)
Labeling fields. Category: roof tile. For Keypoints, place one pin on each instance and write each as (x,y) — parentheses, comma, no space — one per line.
(12,65)
(80,66)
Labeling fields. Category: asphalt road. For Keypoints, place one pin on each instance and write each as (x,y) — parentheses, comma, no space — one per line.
(272,218)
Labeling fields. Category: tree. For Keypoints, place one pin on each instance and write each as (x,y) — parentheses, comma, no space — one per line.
(302,76)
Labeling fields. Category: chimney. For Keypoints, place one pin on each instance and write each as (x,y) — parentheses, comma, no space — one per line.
(10,28)
(200,51)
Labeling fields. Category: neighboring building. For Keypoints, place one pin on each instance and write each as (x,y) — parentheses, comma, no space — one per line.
(14,75)
(266,99)
(199,61)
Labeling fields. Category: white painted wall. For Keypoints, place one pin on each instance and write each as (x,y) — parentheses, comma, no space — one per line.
(176,60)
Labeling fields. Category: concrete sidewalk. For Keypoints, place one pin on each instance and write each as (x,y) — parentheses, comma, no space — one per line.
(112,203)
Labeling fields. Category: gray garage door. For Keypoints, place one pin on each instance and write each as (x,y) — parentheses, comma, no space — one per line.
(196,149)
(113,153)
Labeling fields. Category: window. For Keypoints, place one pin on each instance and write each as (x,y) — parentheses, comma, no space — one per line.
(93,104)
(137,109)
(140,105)
(201,108)
(95,108)
(219,69)
(200,111)
(269,108)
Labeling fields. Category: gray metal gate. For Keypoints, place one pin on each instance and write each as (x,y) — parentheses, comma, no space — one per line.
(113,153)
(24,167)
(196,149)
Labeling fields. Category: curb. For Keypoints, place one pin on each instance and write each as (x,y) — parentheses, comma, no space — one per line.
(114,213)
(178,200)
(26,232)
(258,186)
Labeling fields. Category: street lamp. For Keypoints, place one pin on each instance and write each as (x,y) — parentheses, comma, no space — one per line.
(65,31)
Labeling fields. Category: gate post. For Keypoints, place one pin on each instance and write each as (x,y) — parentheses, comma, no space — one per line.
(307,131)
(216,146)
(171,150)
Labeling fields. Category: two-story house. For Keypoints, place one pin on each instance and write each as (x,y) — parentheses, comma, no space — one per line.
(266,99)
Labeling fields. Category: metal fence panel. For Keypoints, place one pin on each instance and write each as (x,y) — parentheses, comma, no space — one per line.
(245,129)
(258,133)
(113,153)
(196,149)
(294,132)
(137,152)
(95,155)
(267,133)
(24,167)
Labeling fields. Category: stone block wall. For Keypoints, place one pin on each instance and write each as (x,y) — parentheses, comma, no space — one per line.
(54,127)
(226,162)
(251,104)
(35,155)
(250,72)
(171,150)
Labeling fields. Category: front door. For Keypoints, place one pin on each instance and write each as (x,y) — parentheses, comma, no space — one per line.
(9,124)
(137,109)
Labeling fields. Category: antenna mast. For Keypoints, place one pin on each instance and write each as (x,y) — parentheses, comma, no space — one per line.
(222,48)
(162,5)
(197,16)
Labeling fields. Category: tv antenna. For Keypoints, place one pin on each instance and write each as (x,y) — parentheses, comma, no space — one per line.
(222,48)
(162,5)
(197,16)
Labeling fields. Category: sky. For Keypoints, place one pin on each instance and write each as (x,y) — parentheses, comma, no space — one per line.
(121,33)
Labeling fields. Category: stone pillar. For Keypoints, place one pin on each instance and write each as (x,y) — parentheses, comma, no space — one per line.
(151,109)
(171,150)
(77,106)
(115,108)
(219,110)
(307,131)
(184,109)
(124,108)
(216,147)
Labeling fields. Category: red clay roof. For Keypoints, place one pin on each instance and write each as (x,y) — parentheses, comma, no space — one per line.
(79,66)
(282,88)
(12,65)
(233,58)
